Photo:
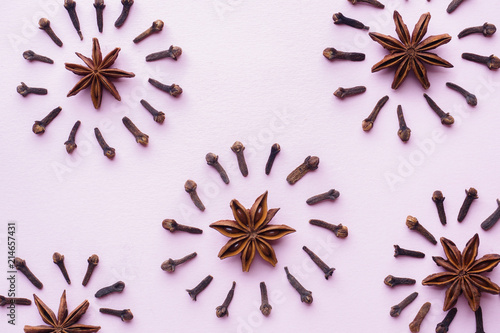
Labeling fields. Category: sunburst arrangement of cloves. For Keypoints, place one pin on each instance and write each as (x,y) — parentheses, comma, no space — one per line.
(65,322)
(98,74)
(463,273)
(250,230)
(409,53)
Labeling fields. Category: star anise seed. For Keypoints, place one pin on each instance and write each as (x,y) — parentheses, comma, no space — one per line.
(410,53)
(464,273)
(97,74)
(250,232)
(63,322)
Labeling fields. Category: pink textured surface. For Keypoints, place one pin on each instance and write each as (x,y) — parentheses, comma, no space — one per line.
(254,72)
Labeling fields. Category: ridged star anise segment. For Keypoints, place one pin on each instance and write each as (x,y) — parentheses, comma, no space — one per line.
(410,53)
(97,74)
(464,273)
(250,232)
(63,323)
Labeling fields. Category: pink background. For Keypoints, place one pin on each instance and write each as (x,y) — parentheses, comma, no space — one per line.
(251,71)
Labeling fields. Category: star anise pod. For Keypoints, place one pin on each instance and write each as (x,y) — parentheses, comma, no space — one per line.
(410,52)
(97,74)
(251,232)
(64,323)
(464,273)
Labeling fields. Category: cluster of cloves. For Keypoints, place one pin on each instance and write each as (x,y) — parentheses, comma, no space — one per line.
(404,132)
(221,310)
(265,308)
(70,6)
(58,259)
(40,126)
(487,30)
(238,148)
(470,196)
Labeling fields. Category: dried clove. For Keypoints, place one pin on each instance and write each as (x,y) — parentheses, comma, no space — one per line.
(93,260)
(415,324)
(331,195)
(14,300)
(443,326)
(479,320)
(320,263)
(173,89)
(453,5)
(114,288)
(124,14)
(70,6)
(238,149)
(32,56)
(339,18)
(275,149)
(40,125)
(125,315)
(398,251)
(470,195)
(393,281)
(396,309)
(331,53)
(140,137)
(59,261)
(348,92)
(438,199)
(21,266)
(373,3)
(446,119)
(173,226)
(190,187)
(265,307)
(157,26)
(108,151)
(213,160)
(413,224)
(486,29)
(193,293)
(310,164)
(492,62)
(305,295)
(99,8)
(45,26)
(367,124)
(492,219)
(221,310)
(404,131)
(170,264)
(70,143)
(158,116)
(173,52)
(24,90)
(339,230)
(469,98)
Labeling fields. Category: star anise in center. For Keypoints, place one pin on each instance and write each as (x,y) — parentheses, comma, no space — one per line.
(464,273)
(410,52)
(250,232)
(63,323)
(97,74)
